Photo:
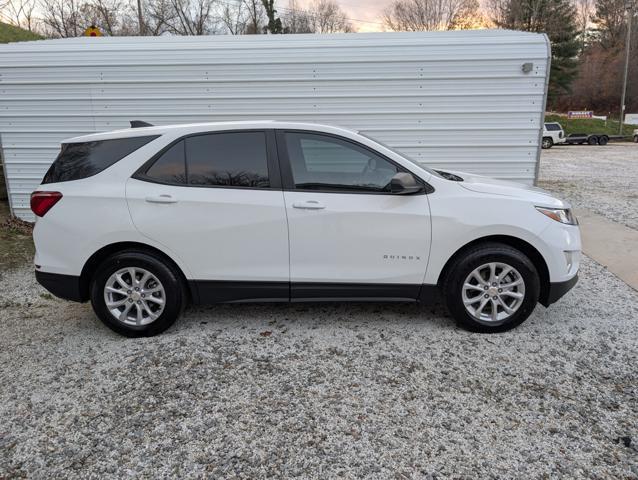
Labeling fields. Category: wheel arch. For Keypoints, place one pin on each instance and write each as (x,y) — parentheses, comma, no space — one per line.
(523,246)
(94,261)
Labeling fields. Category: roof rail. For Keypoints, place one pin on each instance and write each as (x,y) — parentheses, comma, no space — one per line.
(140,123)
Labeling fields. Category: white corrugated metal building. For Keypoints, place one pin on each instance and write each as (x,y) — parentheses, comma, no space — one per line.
(459,100)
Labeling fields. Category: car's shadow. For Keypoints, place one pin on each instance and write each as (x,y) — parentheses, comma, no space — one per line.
(313,314)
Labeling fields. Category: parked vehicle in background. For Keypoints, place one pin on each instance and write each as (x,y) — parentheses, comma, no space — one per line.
(585,138)
(552,134)
(287,211)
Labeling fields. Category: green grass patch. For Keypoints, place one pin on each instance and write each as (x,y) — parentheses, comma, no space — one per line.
(589,125)
(10,33)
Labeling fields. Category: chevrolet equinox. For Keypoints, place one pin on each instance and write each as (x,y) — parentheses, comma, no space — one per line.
(144,220)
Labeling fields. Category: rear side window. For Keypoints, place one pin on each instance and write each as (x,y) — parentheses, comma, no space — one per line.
(82,160)
(229,159)
(552,127)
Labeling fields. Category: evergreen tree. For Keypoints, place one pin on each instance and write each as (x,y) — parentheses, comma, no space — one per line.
(556,18)
(274,22)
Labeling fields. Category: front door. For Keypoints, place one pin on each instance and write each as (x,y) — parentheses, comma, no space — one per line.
(213,200)
(349,236)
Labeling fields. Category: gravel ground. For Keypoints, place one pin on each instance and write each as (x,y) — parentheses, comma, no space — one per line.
(601,179)
(319,391)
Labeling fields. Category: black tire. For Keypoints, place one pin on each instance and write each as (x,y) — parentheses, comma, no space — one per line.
(175,292)
(593,140)
(603,140)
(635,138)
(547,143)
(473,258)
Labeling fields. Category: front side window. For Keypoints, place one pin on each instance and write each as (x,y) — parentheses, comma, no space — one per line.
(321,162)
(81,160)
(233,159)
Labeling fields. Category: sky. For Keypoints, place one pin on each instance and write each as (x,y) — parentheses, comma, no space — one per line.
(366,11)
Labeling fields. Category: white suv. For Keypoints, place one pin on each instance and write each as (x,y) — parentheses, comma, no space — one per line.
(553,134)
(144,220)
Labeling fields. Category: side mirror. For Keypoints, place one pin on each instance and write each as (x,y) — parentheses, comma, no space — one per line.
(404,183)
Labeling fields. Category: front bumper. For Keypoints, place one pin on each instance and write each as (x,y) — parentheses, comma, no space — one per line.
(556,290)
(66,287)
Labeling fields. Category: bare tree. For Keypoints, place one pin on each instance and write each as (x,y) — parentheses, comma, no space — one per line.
(327,17)
(585,10)
(61,18)
(113,17)
(20,13)
(193,17)
(297,20)
(69,18)
(611,21)
(158,16)
(416,15)
(472,17)
(234,18)
(497,10)
(256,16)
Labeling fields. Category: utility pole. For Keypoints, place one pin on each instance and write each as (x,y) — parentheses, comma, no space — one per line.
(630,20)
(139,17)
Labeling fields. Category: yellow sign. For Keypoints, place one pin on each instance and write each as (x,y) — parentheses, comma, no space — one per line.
(92,31)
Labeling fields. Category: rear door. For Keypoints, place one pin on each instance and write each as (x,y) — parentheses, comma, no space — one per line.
(349,235)
(215,200)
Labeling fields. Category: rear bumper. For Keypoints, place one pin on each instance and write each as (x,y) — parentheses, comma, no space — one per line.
(66,287)
(556,290)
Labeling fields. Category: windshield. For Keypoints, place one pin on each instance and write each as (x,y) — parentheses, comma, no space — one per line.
(402,155)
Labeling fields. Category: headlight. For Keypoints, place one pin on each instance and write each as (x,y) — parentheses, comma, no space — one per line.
(562,215)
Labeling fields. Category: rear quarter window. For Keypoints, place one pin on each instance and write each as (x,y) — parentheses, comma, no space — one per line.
(552,127)
(81,160)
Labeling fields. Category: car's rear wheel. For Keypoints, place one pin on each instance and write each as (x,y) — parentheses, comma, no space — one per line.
(635,138)
(137,294)
(603,140)
(593,140)
(491,288)
(547,142)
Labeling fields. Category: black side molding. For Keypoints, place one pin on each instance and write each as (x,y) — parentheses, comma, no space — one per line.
(221,291)
(301,291)
(210,292)
(69,287)
(66,287)
(557,290)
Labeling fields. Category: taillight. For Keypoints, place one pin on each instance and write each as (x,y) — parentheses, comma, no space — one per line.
(41,202)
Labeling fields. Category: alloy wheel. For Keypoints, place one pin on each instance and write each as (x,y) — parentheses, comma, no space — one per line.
(134,296)
(493,292)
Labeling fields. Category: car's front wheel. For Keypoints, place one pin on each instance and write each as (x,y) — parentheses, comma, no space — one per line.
(547,143)
(137,294)
(491,288)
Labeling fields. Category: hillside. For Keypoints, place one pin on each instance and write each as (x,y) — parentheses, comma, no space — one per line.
(9,33)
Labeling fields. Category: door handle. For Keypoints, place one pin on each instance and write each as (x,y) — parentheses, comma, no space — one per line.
(164,198)
(309,205)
